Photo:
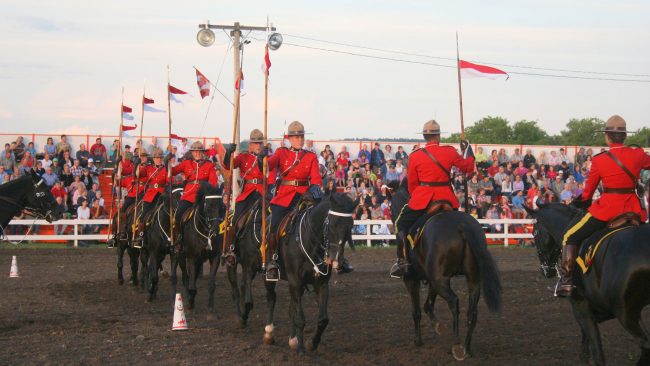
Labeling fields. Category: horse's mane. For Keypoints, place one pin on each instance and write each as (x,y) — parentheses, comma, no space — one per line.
(205,189)
(12,185)
(342,201)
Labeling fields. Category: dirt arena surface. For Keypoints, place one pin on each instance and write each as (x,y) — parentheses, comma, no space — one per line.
(67,308)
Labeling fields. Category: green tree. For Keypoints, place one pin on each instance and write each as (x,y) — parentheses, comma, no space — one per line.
(454,137)
(489,130)
(639,138)
(528,133)
(582,132)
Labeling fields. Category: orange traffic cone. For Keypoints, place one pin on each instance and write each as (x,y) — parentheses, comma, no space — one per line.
(13,273)
(180,323)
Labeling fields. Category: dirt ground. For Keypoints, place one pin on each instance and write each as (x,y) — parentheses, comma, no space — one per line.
(67,308)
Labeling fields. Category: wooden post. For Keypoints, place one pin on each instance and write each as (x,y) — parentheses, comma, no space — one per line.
(462,121)
(136,171)
(169,163)
(264,162)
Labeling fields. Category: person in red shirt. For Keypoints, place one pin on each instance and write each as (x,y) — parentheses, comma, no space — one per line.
(298,171)
(196,171)
(250,166)
(428,180)
(59,191)
(98,152)
(155,181)
(618,169)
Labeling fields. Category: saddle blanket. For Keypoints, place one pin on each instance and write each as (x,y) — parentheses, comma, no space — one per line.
(590,247)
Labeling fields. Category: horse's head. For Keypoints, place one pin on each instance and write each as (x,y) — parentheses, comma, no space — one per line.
(551,222)
(339,224)
(40,201)
(210,201)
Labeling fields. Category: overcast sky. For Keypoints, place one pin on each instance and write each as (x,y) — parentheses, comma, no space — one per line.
(64,63)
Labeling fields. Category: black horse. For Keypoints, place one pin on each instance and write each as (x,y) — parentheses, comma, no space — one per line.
(201,242)
(308,254)
(30,193)
(616,286)
(453,243)
(156,243)
(123,244)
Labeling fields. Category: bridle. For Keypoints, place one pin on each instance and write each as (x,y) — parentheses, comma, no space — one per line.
(325,244)
(207,221)
(548,261)
(32,211)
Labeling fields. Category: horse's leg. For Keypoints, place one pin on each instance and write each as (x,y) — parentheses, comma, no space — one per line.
(173,276)
(632,322)
(587,322)
(144,265)
(443,288)
(214,266)
(584,347)
(234,291)
(322,291)
(413,287)
(297,291)
(152,273)
(134,259)
(271,297)
(192,270)
(474,292)
(429,306)
(120,263)
(247,292)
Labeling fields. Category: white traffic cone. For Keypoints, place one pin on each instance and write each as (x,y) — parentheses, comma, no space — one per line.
(180,323)
(13,273)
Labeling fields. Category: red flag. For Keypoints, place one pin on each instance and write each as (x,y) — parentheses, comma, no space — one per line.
(468,69)
(146,100)
(129,128)
(267,63)
(203,83)
(126,109)
(174,136)
(239,83)
(174,90)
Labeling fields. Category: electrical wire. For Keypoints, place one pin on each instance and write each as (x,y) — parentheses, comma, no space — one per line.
(215,86)
(453,59)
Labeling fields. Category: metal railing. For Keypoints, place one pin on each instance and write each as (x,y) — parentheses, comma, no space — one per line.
(368,236)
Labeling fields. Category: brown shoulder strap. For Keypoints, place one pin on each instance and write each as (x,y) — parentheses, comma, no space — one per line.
(295,163)
(620,164)
(433,158)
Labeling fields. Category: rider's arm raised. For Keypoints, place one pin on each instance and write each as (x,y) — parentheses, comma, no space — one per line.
(465,165)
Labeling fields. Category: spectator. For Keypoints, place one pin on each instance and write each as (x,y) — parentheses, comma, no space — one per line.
(402,155)
(76,169)
(542,159)
(343,158)
(59,191)
(340,176)
(19,149)
(49,148)
(566,195)
(580,157)
(83,155)
(494,157)
(49,177)
(388,153)
(473,185)
(38,169)
(66,177)
(506,187)
(518,184)
(521,169)
(31,149)
(114,150)
(8,160)
(503,157)
(529,158)
(154,145)
(96,212)
(93,170)
(22,169)
(98,153)
(516,157)
(554,160)
(60,209)
(532,193)
(3,174)
(392,175)
(483,201)
(557,186)
(182,150)
(47,162)
(6,178)
(487,185)
(83,213)
(377,159)
(481,159)
(399,168)
(518,202)
(62,145)
(563,157)
(364,155)
(551,173)
(79,194)
(87,179)
(65,159)
(309,146)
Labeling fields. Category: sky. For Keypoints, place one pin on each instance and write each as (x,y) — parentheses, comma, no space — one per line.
(64,63)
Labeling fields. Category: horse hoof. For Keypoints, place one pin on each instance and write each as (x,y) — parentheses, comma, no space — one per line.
(268,339)
(458,351)
(293,343)
(439,328)
(164,274)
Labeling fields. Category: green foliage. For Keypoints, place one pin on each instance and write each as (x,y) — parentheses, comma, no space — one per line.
(529,133)
(639,138)
(582,132)
(489,130)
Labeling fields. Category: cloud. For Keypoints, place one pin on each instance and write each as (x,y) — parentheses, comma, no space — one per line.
(43,24)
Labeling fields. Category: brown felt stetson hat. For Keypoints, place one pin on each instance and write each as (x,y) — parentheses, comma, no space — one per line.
(197,146)
(256,136)
(157,153)
(615,123)
(296,129)
(431,128)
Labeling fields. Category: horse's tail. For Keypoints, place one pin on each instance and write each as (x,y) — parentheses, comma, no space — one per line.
(490,279)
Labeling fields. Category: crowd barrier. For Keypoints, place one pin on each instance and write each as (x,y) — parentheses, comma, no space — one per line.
(368,237)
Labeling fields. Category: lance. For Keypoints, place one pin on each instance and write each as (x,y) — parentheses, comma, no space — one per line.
(264,161)
(136,171)
(462,121)
(230,182)
(169,163)
(117,178)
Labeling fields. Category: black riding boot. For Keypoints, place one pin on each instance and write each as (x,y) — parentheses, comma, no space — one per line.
(272,269)
(139,236)
(229,255)
(400,268)
(178,239)
(564,286)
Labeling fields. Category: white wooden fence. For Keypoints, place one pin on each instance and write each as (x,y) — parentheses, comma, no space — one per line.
(369,236)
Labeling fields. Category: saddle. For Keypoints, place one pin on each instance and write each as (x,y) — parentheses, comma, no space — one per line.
(289,220)
(187,215)
(600,239)
(244,219)
(434,208)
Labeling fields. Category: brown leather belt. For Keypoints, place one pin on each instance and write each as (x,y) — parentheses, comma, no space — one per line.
(435,184)
(295,183)
(620,190)
(254,181)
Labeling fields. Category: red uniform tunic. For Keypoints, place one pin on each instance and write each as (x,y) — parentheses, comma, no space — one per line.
(156,181)
(127,173)
(251,174)
(422,169)
(306,171)
(195,173)
(603,167)
(134,183)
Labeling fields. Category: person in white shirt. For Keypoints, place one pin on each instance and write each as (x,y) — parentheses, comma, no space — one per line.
(83,213)
(182,149)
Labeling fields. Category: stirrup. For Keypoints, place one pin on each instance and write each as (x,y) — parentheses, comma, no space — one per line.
(563,290)
(111,243)
(399,269)
(275,269)
(230,259)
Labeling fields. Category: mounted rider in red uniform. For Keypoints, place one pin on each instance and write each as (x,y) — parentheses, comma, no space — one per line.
(196,171)
(428,180)
(155,181)
(298,170)
(618,169)
(250,166)
(124,175)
